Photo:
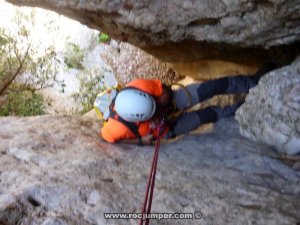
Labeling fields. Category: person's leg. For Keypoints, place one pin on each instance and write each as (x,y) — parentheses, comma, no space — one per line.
(203,91)
(242,84)
(239,84)
(191,121)
(226,85)
(206,90)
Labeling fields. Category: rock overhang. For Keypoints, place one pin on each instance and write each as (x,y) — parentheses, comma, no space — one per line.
(186,31)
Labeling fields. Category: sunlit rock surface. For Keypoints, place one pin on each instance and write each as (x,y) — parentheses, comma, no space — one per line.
(271,113)
(54,170)
(214,69)
(129,63)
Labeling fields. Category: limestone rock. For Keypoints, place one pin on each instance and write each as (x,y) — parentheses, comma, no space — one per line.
(129,63)
(93,198)
(56,171)
(213,69)
(271,113)
(185,30)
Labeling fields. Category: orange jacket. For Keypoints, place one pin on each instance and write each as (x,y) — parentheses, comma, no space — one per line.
(114,130)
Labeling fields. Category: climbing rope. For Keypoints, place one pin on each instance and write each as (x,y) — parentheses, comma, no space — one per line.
(151,179)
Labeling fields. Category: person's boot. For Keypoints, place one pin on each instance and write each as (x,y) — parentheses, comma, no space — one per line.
(266,68)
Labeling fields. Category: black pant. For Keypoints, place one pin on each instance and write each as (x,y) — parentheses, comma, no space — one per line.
(201,92)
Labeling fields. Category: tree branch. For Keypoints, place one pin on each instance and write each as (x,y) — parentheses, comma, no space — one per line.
(11,80)
(16,73)
(17,54)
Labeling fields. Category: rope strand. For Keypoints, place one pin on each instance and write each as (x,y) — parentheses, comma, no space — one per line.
(151,179)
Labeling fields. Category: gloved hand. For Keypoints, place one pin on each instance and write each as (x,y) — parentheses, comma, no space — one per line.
(147,139)
(153,122)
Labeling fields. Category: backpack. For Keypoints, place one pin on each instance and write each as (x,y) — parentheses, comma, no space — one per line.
(104,100)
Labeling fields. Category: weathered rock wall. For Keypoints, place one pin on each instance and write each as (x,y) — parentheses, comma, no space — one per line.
(271,113)
(187,31)
(54,170)
(129,63)
(213,69)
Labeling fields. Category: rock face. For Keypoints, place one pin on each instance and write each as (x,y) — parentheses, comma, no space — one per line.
(271,113)
(54,170)
(129,63)
(213,69)
(185,30)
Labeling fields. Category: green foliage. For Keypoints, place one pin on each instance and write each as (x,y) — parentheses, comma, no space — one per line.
(22,103)
(3,41)
(23,58)
(91,84)
(74,56)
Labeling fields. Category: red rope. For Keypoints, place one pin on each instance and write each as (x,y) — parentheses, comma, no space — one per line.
(151,179)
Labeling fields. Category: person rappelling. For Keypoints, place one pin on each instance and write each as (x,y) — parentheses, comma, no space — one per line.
(140,106)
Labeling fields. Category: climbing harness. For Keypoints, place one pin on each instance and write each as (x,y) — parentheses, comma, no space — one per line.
(178,113)
(151,179)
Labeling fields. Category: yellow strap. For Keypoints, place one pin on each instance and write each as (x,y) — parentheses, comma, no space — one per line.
(118,87)
(99,113)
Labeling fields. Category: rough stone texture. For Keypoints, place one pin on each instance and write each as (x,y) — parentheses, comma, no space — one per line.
(271,113)
(185,30)
(129,63)
(213,69)
(54,170)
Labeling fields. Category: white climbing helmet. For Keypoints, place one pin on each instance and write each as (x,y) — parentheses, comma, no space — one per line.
(134,105)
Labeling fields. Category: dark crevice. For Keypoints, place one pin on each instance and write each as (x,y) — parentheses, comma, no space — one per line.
(209,21)
(264,2)
(33,202)
(192,51)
